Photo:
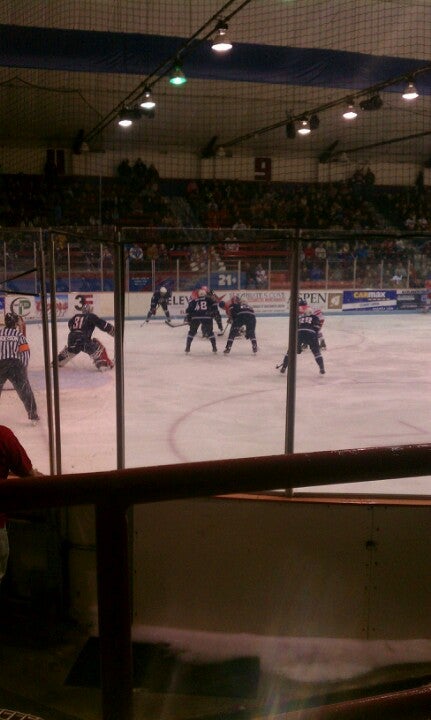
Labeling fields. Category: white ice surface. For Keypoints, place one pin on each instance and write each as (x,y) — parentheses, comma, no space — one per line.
(205,406)
(295,658)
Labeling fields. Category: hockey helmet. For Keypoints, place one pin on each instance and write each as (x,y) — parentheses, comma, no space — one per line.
(163,291)
(222,304)
(11,320)
(201,292)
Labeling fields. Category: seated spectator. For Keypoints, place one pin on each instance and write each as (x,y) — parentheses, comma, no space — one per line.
(250,276)
(410,222)
(261,277)
(192,189)
(136,253)
(316,273)
(231,244)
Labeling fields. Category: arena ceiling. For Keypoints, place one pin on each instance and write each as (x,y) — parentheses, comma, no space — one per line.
(62,72)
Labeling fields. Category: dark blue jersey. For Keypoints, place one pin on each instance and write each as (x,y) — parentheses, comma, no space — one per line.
(83,324)
(201,308)
(309,323)
(240,313)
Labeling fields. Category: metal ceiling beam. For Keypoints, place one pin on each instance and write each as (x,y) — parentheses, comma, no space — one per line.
(162,70)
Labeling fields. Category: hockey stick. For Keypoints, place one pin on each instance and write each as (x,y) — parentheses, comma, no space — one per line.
(175,325)
(219,334)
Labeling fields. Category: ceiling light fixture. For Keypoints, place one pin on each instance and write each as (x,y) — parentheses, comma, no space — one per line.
(373,103)
(221,42)
(410,93)
(148,102)
(304,127)
(126,117)
(177,76)
(350,112)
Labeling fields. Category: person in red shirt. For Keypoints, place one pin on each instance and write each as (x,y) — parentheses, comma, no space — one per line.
(13,459)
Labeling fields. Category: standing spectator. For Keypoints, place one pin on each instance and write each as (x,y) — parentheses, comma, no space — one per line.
(240,313)
(13,459)
(159,299)
(139,170)
(124,170)
(50,172)
(153,177)
(14,358)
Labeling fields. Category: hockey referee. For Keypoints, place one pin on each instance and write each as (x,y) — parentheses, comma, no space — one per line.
(14,357)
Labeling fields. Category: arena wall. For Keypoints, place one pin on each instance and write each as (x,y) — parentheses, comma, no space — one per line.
(172,163)
(326,569)
(264,302)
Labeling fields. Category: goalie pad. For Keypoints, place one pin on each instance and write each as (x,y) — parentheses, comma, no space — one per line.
(100,356)
(64,357)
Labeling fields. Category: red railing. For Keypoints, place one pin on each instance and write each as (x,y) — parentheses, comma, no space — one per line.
(114,492)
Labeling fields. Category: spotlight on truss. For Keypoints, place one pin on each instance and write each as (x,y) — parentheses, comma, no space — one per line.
(374,102)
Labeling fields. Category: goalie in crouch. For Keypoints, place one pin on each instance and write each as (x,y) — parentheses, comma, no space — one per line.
(81,327)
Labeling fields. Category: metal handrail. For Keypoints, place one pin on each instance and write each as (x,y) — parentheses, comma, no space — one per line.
(202,479)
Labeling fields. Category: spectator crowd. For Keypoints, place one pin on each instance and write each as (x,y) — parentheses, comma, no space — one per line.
(231,213)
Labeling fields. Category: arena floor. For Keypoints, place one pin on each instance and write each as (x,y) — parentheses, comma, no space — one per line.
(202,406)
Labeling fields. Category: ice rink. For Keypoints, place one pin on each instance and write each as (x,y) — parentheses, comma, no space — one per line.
(205,406)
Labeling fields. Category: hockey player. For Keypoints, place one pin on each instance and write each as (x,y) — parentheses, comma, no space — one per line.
(304,308)
(308,336)
(226,305)
(240,313)
(14,358)
(81,327)
(195,292)
(200,313)
(216,312)
(160,298)
(426,297)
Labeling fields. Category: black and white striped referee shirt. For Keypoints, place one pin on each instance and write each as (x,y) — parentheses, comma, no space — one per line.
(14,346)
